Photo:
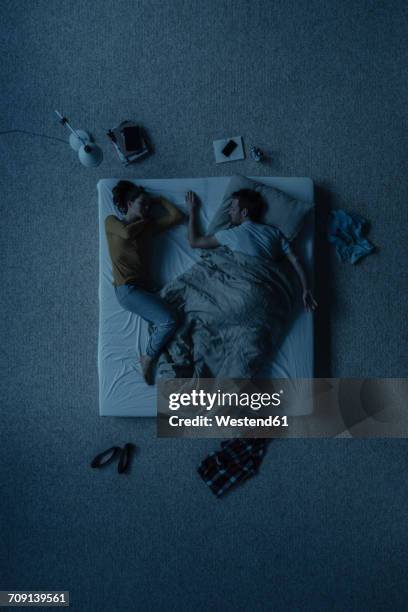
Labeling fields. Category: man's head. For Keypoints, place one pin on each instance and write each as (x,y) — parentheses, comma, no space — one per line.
(246,205)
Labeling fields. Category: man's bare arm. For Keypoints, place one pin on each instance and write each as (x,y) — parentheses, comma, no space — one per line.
(197,241)
(309,302)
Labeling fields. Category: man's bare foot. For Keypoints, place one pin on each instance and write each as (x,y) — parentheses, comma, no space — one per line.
(146,367)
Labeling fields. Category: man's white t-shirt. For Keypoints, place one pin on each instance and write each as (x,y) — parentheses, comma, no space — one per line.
(255,239)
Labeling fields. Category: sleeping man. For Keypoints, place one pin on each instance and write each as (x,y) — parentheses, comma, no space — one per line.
(248,236)
(235,304)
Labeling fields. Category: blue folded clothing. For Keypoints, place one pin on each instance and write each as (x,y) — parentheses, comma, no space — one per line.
(346,231)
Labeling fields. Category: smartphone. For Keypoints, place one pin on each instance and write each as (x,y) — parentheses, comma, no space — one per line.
(229,148)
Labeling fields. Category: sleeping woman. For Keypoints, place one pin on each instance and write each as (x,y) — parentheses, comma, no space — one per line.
(128,238)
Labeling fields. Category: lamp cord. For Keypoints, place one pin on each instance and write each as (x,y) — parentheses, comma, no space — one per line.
(34,134)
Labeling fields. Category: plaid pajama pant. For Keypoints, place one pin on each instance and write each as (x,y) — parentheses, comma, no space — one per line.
(237,460)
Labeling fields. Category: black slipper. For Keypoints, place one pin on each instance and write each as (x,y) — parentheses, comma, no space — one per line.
(100,460)
(124,459)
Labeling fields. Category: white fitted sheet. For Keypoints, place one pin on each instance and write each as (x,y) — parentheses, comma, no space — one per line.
(122,335)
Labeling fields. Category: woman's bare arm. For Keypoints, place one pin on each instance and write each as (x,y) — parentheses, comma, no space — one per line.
(172,217)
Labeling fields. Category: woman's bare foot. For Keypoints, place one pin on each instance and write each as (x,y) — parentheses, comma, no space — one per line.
(146,367)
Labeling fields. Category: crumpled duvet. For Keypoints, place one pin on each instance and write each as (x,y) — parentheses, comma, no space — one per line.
(233,311)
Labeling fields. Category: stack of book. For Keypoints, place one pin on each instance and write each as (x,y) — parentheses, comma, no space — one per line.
(129,142)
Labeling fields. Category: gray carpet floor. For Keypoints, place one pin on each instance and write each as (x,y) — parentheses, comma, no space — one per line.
(322,87)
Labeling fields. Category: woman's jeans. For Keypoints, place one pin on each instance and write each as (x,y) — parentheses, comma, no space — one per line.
(153,309)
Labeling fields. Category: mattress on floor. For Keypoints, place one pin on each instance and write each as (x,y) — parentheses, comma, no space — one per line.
(122,335)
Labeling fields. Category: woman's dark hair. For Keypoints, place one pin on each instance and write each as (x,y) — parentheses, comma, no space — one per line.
(252,201)
(125,192)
